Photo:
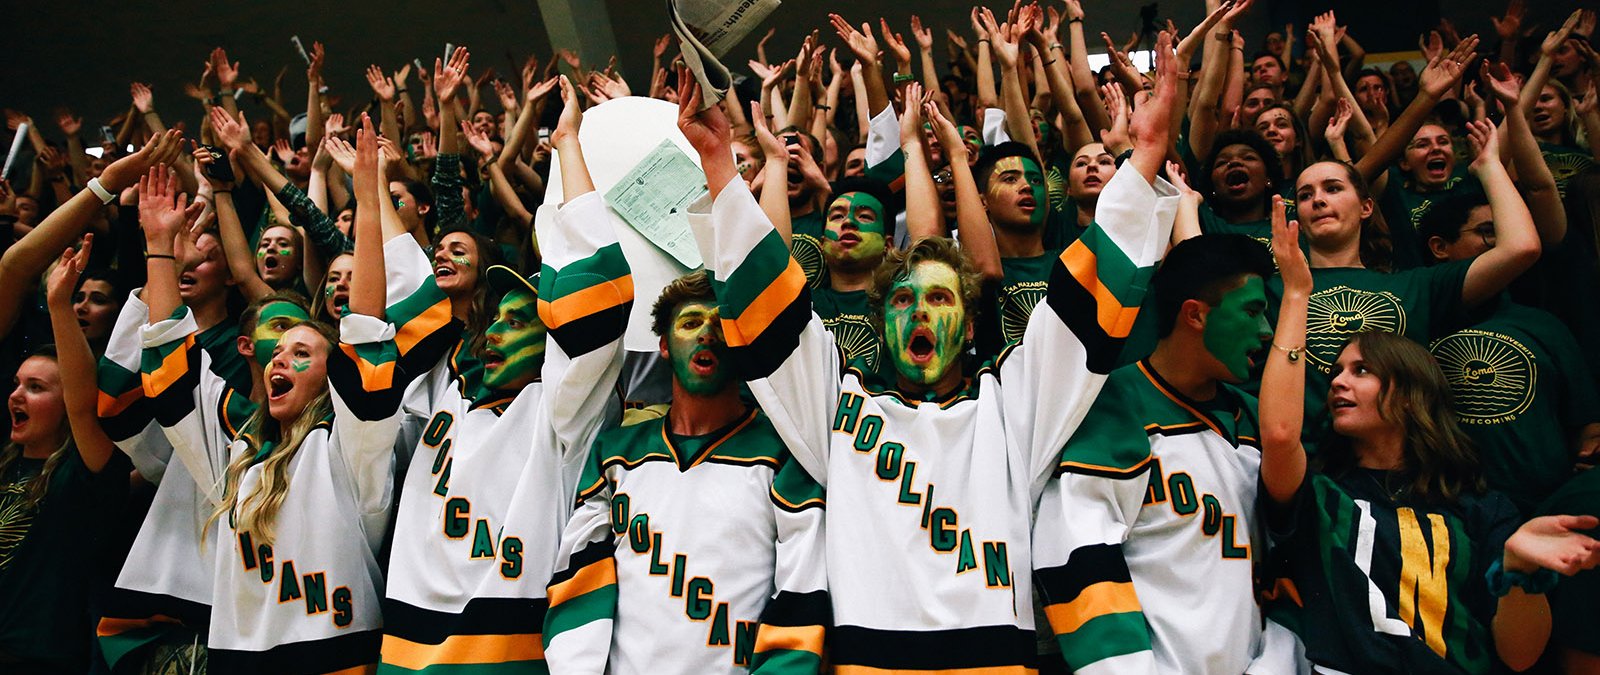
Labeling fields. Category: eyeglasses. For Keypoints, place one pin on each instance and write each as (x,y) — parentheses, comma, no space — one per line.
(944,176)
(1483,230)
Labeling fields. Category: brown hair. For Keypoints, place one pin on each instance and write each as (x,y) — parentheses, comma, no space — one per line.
(1441,464)
(691,287)
(897,265)
(1377,248)
(13,451)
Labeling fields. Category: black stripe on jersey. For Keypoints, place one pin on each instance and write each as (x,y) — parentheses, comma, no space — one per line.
(769,462)
(982,647)
(130,421)
(1078,309)
(581,336)
(348,650)
(426,353)
(481,616)
(799,609)
(122,603)
(1086,566)
(345,376)
(774,345)
(177,401)
(592,552)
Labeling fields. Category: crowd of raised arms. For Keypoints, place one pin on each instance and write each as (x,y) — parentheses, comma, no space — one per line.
(1262,361)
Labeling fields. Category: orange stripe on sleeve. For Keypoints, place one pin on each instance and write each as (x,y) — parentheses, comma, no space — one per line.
(1114,319)
(1106,597)
(782,292)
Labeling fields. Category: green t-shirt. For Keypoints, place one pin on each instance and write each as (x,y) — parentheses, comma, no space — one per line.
(1403,207)
(1521,391)
(1421,303)
(805,244)
(1388,583)
(847,314)
(220,342)
(1565,162)
(1575,602)
(47,557)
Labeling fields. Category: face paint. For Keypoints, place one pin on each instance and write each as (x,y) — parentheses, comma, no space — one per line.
(461,260)
(1003,188)
(285,251)
(1237,327)
(515,351)
(696,349)
(271,322)
(855,229)
(300,365)
(261,253)
(925,322)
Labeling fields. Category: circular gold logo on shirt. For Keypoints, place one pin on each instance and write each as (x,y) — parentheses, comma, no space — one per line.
(1335,314)
(855,337)
(808,252)
(1016,305)
(1492,375)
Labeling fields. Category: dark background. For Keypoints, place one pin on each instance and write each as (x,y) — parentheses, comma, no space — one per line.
(84,54)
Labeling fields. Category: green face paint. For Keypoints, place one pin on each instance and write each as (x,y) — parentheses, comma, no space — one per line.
(285,251)
(925,322)
(1005,182)
(461,261)
(1238,326)
(275,319)
(858,214)
(300,365)
(515,352)
(696,349)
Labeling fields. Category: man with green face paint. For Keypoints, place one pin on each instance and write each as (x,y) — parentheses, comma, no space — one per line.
(1016,198)
(860,225)
(1162,476)
(278,313)
(932,480)
(720,496)
(489,485)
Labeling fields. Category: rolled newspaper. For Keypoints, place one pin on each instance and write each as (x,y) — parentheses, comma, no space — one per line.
(706,30)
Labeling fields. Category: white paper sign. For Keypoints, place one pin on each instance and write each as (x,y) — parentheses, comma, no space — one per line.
(654,196)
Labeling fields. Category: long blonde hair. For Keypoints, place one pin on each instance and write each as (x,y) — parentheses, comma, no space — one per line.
(258,511)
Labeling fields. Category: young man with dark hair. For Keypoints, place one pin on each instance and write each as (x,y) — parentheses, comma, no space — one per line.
(1521,388)
(1014,194)
(932,480)
(1267,70)
(1154,498)
(859,226)
(697,538)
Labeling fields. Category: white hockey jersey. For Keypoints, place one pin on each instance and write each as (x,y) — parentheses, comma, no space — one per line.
(308,601)
(490,483)
(691,555)
(930,502)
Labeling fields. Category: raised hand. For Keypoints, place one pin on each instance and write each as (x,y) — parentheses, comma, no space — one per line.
(334,125)
(227,73)
(946,133)
(923,35)
(911,119)
(143,101)
(161,149)
(1339,122)
(1074,10)
(69,125)
(897,44)
(571,115)
(63,280)
(1431,45)
(284,153)
(1552,42)
(161,208)
(447,76)
(1553,543)
(1119,60)
(341,152)
(230,132)
(1500,82)
(1187,46)
(662,43)
(1116,138)
(478,141)
(539,90)
(1485,141)
(1001,41)
(365,174)
(1509,27)
(314,70)
(400,77)
(771,147)
(381,85)
(1445,70)
(708,131)
(1151,124)
(507,95)
(1292,265)
(861,43)
(1174,175)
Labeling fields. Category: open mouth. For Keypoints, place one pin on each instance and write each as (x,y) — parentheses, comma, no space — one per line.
(1541,118)
(278,386)
(493,359)
(703,361)
(1092,181)
(1236,178)
(83,323)
(186,281)
(443,271)
(270,262)
(848,239)
(1027,203)
(19,417)
(1436,164)
(921,346)
(1337,404)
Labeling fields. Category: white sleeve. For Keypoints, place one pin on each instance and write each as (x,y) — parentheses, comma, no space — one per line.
(994,127)
(186,394)
(883,136)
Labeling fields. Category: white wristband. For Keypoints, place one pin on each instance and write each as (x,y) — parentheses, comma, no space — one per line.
(100,191)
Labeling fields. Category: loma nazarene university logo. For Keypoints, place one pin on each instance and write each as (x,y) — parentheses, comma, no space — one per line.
(1016,305)
(1493,376)
(808,252)
(1334,315)
(855,337)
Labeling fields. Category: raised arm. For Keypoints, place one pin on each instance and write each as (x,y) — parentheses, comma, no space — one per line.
(575,179)
(162,218)
(972,221)
(1083,80)
(1533,177)
(774,176)
(1439,77)
(1283,384)
(314,127)
(923,218)
(1516,245)
(1047,47)
(78,387)
(367,293)
(865,47)
(234,245)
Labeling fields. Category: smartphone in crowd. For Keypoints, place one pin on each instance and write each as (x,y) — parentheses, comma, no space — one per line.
(219,169)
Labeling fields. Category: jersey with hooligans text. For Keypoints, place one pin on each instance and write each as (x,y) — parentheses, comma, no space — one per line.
(307,600)
(1153,508)
(488,489)
(694,555)
(167,587)
(930,501)
(1381,582)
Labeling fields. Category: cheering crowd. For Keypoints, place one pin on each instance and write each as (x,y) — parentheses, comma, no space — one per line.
(1256,359)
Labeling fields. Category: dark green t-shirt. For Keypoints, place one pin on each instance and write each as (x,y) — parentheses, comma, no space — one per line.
(1565,162)
(47,557)
(1388,583)
(847,314)
(1403,206)
(1575,602)
(1521,391)
(1421,303)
